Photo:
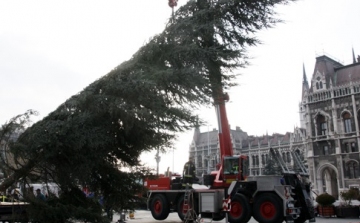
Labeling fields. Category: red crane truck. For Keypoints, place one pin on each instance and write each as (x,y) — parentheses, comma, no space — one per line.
(231,193)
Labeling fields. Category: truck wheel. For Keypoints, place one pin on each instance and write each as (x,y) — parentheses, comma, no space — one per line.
(159,207)
(180,207)
(268,209)
(240,209)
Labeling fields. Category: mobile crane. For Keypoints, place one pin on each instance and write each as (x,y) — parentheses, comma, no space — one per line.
(231,192)
(268,199)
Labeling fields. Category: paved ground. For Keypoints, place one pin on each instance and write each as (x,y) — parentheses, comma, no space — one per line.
(145,217)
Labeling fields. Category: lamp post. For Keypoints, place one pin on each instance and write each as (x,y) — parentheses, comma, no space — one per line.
(172,4)
(208,156)
(173,170)
(157,158)
(208,164)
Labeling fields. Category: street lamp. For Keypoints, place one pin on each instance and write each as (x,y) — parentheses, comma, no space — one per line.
(173,170)
(172,4)
(157,158)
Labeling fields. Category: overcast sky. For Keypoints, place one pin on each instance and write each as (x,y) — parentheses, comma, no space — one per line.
(51,50)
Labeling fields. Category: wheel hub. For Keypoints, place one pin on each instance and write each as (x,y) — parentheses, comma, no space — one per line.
(267,210)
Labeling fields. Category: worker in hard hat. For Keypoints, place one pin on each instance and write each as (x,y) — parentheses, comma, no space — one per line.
(189,172)
(3,197)
(235,168)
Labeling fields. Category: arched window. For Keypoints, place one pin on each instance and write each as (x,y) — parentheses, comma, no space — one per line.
(325,150)
(199,161)
(322,125)
(352,169)
(263,159)
(318,83)
(347,122)
(354,147)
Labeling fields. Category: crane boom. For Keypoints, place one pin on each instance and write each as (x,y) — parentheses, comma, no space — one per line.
(223,125)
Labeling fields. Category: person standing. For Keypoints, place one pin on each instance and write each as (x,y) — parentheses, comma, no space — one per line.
(40,195)
(235,168)
(189,172)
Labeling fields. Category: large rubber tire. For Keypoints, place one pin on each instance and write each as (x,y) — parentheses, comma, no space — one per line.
(180,205)
(240,211)
(159,207)
(267,208)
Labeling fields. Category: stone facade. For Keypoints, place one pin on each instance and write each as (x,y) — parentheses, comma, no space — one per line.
(205,148)
(329,111)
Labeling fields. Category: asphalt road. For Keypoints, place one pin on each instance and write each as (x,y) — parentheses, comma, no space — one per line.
(142,216)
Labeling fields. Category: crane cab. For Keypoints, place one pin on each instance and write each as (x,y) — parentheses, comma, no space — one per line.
(235,168)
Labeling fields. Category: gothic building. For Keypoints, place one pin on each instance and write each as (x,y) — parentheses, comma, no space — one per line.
(329,112)
(205,148)
(328,136)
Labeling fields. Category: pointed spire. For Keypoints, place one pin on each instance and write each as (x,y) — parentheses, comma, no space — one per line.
(304,75)
(353,54)
(305,87)
(197,125)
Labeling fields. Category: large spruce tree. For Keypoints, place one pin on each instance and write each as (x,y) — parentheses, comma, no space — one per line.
(95,137)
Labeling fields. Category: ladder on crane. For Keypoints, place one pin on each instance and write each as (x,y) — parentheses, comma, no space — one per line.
(188,206)
(300,188)
(278,158)
(300,164)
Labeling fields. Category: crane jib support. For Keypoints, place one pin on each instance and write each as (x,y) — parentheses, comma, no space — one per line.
(275,153)
(298,162)
(218,116)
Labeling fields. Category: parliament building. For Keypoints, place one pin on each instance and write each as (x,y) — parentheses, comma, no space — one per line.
(328,137)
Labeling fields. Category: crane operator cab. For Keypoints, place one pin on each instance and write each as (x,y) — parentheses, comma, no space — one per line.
(235,168)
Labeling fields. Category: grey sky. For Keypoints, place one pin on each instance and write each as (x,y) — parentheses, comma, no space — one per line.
(50,50)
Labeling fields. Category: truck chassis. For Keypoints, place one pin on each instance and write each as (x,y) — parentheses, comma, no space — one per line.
(269,199)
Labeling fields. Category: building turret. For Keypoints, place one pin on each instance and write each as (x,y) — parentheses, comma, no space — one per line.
(353,54)
(305,84)
(305,91)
